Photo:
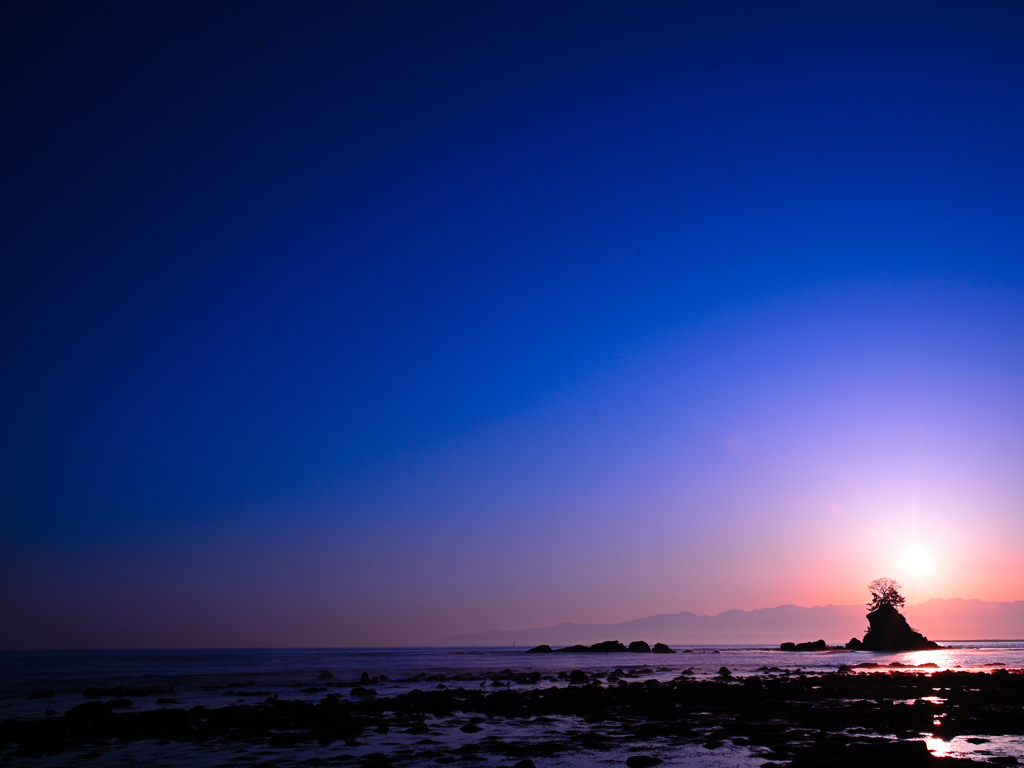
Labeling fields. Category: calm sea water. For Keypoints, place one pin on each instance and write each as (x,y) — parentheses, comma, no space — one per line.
(219,677)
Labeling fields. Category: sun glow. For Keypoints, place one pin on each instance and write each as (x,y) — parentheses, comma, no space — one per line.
(916,561)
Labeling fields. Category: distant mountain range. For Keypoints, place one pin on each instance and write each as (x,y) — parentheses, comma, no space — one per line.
(939,619)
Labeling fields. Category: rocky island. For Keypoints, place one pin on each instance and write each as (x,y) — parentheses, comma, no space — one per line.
(888,629)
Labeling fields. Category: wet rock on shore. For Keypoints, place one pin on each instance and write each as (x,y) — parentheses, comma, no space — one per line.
(819,719)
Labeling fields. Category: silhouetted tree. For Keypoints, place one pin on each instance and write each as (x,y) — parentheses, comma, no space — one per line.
(885,591)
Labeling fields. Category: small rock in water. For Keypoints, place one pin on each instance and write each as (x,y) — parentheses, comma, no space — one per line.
(325,675)
(88,712)
(541,649)
(525,764)
(639,646)
(724,672)
(578,676)
(642,761)
(661,648)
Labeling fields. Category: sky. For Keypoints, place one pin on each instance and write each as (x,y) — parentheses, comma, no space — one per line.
(369,324)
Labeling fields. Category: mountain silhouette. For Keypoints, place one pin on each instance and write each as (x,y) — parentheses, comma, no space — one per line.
(939,619)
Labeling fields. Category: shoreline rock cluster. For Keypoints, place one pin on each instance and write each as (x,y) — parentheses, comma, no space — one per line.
(608,646)
(817,645)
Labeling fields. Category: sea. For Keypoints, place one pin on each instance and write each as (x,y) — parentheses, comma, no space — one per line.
(38,684)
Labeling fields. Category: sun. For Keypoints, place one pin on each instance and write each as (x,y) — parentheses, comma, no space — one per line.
(916,561)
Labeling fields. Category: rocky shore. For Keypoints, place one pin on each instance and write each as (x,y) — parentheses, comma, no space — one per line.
(832,719)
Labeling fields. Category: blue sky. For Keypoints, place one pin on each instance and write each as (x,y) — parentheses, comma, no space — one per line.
(330,325)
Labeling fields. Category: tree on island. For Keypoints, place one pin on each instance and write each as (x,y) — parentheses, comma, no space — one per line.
(889,630)
(885,591)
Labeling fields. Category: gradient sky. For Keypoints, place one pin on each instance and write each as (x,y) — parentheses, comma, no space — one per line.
(373,323)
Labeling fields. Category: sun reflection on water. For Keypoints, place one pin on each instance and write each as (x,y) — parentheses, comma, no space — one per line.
(988,748)
(942,659)
(938,747)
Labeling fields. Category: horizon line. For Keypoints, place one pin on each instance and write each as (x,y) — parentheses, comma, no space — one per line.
(771,646)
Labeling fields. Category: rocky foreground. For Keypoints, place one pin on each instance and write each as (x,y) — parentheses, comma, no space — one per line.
(835,719)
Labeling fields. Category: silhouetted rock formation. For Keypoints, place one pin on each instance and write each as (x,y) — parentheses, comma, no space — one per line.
(817,645)
(608,646)
(889,631)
